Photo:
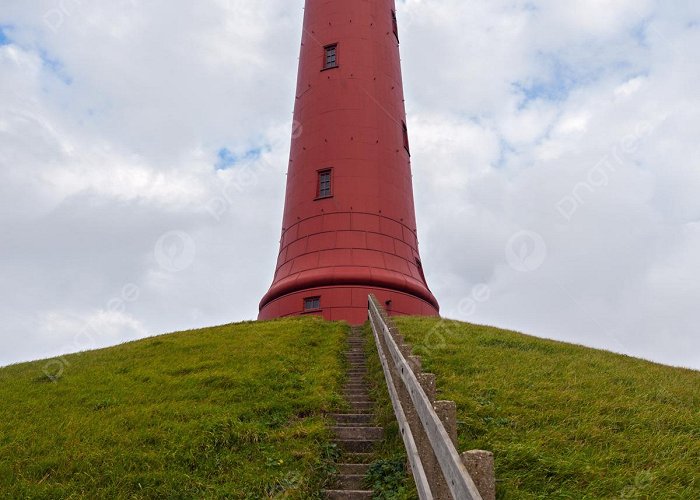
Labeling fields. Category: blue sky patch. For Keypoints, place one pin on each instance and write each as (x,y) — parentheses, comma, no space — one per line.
(4,38)
(228,159)
(56,67)
(555,85)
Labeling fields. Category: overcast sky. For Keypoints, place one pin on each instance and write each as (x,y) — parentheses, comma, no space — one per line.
(556,161)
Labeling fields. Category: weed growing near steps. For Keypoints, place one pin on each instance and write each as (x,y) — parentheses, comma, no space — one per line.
(235,411)
(387,478)
(565,421)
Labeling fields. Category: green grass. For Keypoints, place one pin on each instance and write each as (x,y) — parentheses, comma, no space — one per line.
(229,412)
(565,421)
(238,411)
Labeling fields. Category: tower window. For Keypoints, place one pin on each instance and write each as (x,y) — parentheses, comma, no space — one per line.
(331,57)
(324,184)
(312,303)
(395,25)
(405,137)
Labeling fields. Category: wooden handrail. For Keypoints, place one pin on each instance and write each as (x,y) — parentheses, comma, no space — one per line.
(459,482)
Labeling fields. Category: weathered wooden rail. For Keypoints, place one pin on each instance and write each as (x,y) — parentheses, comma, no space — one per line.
(428,427)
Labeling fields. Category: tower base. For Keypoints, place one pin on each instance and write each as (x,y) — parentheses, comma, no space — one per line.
(354,300)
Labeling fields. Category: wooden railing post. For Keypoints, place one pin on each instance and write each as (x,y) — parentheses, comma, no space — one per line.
(480,466)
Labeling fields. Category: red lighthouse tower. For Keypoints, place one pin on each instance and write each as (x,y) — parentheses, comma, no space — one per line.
(349,225)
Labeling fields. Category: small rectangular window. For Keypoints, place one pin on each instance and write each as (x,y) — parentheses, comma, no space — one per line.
(395,25)
(312,303)
(405,137)
(331,56)
(324,184)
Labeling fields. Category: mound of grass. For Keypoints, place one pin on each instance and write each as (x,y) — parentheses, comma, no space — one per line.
(235,411)
(565,421)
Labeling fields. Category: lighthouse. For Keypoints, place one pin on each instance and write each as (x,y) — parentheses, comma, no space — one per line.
(349,226)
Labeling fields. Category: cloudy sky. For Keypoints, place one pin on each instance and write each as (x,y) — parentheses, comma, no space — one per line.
(556,157)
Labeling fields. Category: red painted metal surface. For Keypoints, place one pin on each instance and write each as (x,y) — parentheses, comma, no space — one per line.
(350,119)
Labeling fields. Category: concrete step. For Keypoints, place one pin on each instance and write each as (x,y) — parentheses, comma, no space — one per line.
(361,407)
(354,431)
(357,380)
(356,393)
(355,445)
(349,481)
(357,469)
(358,458)
(347,495)
(362,433)
(362,386)
(352,418)
(356,386)
(359,400)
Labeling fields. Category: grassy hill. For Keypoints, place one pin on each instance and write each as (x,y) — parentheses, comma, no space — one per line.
(234,411)
(238,412)
(565,421)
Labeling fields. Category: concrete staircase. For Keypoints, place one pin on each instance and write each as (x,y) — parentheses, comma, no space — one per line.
(354,431)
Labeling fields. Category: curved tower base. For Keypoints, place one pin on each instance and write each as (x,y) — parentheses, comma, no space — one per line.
(354,304)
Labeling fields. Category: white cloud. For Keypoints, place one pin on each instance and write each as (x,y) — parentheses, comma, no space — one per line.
(577,121)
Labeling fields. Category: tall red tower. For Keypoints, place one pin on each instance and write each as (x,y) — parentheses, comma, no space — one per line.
(349,226)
